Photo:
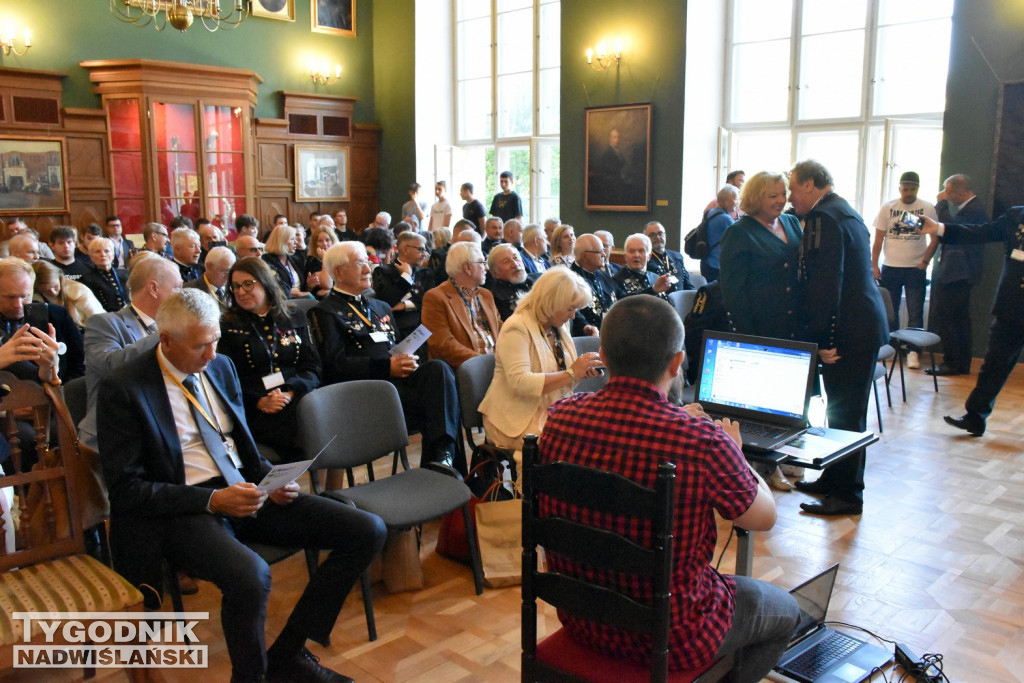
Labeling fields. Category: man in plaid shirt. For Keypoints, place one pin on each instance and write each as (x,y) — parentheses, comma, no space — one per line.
(629,427)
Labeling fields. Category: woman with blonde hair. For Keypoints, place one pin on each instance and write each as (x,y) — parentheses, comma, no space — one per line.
(563,239)
(535,359)
(282,258)
(53,288)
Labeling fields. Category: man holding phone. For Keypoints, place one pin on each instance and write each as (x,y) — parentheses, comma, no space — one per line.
(53,327)
(907,253)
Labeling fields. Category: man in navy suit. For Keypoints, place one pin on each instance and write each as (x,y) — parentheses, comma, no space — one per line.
(181,465)
(845,318)
(113,339)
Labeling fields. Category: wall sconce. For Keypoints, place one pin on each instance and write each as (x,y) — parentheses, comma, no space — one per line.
(600,59)
(7,42)
(320,74)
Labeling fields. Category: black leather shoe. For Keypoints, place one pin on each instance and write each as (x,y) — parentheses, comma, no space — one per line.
(972,424)
(818,487)
(832,506)
(303,666)
(942,371)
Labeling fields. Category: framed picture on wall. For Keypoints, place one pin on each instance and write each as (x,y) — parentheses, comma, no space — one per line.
(618,158)
(321,173)
(274,9)
(32,176)
(334,16)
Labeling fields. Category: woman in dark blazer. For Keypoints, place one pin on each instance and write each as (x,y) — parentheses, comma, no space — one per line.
(276,361)
(759,264)
(288,265)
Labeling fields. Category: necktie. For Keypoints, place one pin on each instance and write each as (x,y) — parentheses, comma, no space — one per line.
(214,443)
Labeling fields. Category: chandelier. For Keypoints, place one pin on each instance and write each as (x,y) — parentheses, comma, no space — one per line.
(181,13)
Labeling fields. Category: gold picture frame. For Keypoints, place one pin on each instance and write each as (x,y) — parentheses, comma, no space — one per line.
(336,17)
(33,175)
(321,173)
(282,10)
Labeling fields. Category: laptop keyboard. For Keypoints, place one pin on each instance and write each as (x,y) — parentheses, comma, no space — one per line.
(823,654)
(767,431)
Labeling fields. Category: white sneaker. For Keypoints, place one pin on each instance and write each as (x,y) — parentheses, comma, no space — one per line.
(913,362)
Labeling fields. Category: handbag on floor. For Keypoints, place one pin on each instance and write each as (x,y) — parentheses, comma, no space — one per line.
(488,465)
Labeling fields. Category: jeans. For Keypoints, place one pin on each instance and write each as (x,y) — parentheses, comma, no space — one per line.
(913,281)
(762,626)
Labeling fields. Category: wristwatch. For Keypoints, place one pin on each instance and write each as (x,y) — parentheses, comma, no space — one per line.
(572,375)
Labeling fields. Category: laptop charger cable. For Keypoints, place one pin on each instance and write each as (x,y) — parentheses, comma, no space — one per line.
(927,669)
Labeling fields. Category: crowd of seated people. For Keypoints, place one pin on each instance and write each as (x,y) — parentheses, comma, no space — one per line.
(260,357)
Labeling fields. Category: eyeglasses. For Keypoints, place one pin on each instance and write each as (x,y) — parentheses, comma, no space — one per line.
(588,251)
(479,263)
(245,285)
(357,264)
(422,250)
(256,250)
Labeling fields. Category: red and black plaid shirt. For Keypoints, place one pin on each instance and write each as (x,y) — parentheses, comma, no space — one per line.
(629,427)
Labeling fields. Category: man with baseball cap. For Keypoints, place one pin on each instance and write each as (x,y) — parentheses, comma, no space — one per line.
(907,253)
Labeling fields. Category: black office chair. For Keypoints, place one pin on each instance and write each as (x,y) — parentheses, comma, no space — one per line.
(558,657)
(903,337)
(403,500)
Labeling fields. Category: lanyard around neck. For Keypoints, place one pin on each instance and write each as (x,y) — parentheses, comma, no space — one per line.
(192,399)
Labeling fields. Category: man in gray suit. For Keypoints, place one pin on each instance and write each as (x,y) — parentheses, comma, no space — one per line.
(214,280)
(112,339)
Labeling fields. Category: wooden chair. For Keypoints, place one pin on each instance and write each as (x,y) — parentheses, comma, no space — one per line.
(558,657)
(48,569)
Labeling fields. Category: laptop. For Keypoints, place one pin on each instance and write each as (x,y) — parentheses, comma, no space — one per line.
(820,654)
(763,383)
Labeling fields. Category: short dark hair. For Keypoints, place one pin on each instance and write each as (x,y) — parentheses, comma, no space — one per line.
(180,221)
(442,183)
(92,229)
(200,222)
(639,337)
(63,232)
(246,221)
(414,187)
(401,227)
(506,174)
(732,175)
(279,215)
(468,187)
(812,170)
(381,239)
(111,218)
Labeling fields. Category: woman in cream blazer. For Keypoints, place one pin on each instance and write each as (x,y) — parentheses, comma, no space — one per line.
(535,359)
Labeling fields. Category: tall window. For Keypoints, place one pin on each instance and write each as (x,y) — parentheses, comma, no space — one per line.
(859,85)
(507,64)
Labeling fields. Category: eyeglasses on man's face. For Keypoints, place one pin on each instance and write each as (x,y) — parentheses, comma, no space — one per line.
(357,264)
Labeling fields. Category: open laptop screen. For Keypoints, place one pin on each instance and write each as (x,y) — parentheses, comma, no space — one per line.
(813,597)
(756,373)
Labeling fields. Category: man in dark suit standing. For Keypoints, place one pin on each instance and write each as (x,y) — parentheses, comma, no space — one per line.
(181,466)
(958,270)
(845,318)
(1006,336)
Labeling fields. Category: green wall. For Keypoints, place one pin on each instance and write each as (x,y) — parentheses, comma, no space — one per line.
(984,54)
(66,32)
(395,98)
(652,70)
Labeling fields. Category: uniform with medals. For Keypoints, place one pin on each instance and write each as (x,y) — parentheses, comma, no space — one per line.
(629,282)
(354,336)
(108,287)
(271,354)
(603,287)
(670,262)
(392,287)
(507,294)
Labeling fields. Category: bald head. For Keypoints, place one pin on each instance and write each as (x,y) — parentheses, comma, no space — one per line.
(589,252)
(247,245)
(468,236)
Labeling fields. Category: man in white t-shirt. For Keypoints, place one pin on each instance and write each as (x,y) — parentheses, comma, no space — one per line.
(441,210)
(907,253)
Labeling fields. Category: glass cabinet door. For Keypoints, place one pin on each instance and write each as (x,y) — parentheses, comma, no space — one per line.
(225,163)
(177,169)
(126,163)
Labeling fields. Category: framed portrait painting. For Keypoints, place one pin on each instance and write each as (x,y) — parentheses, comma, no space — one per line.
(321,173)
(334,16)
(274,9)
(32,176)
(618,158)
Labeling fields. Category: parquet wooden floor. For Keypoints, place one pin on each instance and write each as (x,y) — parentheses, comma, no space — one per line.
(936,561)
